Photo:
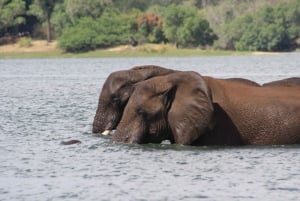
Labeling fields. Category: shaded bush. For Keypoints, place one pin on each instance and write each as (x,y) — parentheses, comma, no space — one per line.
(196,32)
(112,28)
(271,31)
(186,27)
(78,38)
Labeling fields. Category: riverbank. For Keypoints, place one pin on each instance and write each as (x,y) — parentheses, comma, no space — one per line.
(42,49)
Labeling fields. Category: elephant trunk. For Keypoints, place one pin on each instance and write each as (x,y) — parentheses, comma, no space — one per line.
(97,127)
(125,135)
(100,123)
(103,125)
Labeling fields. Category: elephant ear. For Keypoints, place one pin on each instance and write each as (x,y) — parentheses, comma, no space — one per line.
(191,110)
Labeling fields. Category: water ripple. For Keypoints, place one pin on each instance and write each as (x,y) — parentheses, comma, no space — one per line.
(46,101)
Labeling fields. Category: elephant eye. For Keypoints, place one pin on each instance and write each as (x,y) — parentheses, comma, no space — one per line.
(143,113)
(140,111)
(115,100)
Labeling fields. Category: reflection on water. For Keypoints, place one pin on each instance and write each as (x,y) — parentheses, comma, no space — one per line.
(46,101)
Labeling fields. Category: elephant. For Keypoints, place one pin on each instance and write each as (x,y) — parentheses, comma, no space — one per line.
(190,109)
(117,89)
(116,92)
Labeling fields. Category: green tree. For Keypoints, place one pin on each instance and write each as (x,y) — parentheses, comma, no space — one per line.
(60,20)
(85,8)
(11,13)
(196,32)
(186,27)
(200,3)
(173,17)
(112,28)
(273,29)
(233,31)
(43,10)
(126,6)
(79,38)
(270,28)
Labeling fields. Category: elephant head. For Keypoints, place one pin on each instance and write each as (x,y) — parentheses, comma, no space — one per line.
(176,107)
(115,93)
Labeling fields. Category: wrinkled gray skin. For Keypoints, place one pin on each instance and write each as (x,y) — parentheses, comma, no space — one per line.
(189,109)
(116,92)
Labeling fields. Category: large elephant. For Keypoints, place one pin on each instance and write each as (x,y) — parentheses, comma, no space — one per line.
(189,109)
(116,92)
(119,86)
(117,89)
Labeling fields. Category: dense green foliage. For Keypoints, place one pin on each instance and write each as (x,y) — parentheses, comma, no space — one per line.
(181,25)
(11,14)
(268,29)
(112,28)
(82,25)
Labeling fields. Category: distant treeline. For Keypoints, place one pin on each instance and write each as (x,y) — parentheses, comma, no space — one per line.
(82,25)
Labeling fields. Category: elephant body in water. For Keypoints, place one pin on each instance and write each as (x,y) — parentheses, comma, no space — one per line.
(187,108)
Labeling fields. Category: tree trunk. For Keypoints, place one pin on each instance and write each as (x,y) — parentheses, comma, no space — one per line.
(48,27)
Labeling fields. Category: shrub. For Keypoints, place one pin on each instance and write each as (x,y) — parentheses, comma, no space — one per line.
(24,42)
(186,27)
(196,32)
(112,28)
(79,38)
(272,30)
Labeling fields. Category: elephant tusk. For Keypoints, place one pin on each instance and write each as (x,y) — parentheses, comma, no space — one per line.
(106,132)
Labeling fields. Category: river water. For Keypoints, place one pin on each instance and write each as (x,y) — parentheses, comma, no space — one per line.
(46,101)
